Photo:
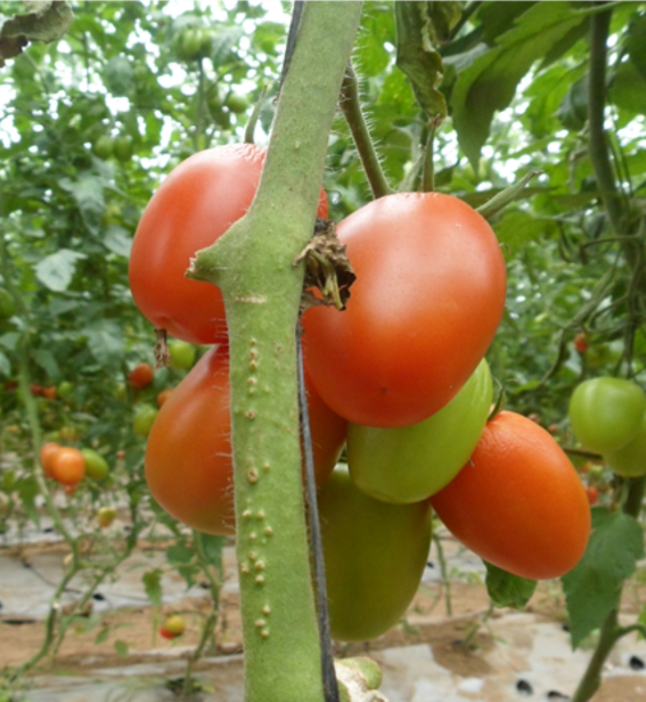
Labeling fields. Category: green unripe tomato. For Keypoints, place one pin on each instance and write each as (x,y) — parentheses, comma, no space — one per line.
(105,516)
(182,354)
(7,304)
(409,464)
(237,103)
(103,147)
(605,413)
(630,461)
(96,467)
(64,389)
(145,416)
(375,554)
(123,148)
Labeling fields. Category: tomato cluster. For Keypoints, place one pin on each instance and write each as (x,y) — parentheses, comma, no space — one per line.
(401,372)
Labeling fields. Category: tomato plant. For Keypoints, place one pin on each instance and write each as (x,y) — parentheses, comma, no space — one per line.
(375,554)
(68,466)
(605,413)
(179,444)
(192,208)
(141,376)
(519,502)
(630,460)
(426,304)
(409,464)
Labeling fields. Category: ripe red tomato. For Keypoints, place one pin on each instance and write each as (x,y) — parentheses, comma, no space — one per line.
(519,502)
(68,466)
(592,494)
(141,376)
(426,304)
(188,455)
(605,413)
(192,208)
(409,464)
(581,343)
(375,554)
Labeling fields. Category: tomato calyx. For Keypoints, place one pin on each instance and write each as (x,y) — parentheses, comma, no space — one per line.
(161,351)
(327,268)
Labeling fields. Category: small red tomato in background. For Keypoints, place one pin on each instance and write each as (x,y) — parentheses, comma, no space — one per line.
(47,453)
(163,396)
(581,343)
(50,392)
(593,495)
(141,376)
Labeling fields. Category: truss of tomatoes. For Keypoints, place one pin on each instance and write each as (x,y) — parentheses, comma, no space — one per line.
(401,373)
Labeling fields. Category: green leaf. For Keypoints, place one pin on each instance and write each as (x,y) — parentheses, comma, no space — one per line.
(117,75)
(87,190)
(489,84)
(223,43)
(212,546)
(57,270)
(593,588)
(5,365)
(45,359)
(444,16)
(102,636)
(417,58)
(118,241)
(507,590)
(28,490)
(179,553)
(43,21)
(121,647)
(518,227)
(152,586)
(105,340)
(628,89)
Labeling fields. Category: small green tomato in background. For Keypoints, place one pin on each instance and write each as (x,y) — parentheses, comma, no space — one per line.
(409,464)
(182,354)
(375,554)
(173,627)
(145,416)
(96,467)
(123,148)
(103,146)
(630,461)
(64,389)
(105,516)
(605,413)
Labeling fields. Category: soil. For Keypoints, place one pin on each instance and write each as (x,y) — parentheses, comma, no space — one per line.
(458,641)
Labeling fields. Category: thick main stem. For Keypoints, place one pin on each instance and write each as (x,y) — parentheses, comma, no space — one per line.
(252,265)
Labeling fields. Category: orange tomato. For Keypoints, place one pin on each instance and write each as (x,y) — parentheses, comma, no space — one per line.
(141,376)
(47,453)
(68,466)
(188,455)
(50,392)
(163,396)
(519,503)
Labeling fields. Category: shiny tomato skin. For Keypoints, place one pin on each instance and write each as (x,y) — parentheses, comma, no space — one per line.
(193,207)
(519,502)
(375,554)
(630,460)
(605,413)
(188,455)
(68,466)
(47,453)
(428,298)
(409,464)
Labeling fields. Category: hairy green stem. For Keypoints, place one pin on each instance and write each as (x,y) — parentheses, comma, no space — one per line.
(253,266)
(350,103)
(446,582)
